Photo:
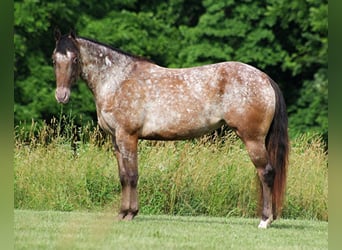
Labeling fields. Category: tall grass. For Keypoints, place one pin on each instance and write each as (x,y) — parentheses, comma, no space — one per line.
(206,176)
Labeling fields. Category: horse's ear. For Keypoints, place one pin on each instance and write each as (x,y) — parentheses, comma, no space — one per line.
(72,34)
(57,33)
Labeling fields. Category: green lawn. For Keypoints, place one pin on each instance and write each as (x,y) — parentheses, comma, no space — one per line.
(99,230)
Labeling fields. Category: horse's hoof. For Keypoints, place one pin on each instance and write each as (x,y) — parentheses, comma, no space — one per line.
(264,224)
(129,217)
(125,216)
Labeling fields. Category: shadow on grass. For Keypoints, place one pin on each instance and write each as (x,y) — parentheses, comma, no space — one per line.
(253,222)
(294,224)
(199,219)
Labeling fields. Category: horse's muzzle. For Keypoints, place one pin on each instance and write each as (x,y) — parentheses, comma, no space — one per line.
(62,95)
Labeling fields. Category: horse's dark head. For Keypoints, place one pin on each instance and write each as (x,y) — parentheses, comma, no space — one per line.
(66,64)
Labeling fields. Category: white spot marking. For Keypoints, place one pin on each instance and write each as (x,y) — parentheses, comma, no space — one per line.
(107,61)
(62,57)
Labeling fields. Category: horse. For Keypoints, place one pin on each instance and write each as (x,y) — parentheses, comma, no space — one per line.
(137,99)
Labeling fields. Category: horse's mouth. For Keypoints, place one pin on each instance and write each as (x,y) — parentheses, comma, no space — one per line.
(62,95)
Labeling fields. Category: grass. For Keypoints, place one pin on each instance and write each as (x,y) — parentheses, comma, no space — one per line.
(98,230)
(212,177)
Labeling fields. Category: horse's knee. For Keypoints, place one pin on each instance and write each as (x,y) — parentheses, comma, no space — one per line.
(129,179)
(133,180)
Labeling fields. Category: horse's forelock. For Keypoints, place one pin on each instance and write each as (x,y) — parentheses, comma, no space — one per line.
(66,43)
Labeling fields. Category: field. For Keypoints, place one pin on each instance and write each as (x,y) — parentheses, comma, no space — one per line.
(99,230)
(210,176)
(197,194)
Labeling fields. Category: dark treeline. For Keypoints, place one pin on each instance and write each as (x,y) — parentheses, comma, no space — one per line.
(286,39)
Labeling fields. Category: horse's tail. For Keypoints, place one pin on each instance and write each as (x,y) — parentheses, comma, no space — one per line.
(277,145)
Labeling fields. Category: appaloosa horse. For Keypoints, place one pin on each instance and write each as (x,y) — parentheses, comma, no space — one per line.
(136,99)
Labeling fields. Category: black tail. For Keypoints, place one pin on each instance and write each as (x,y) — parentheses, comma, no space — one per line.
(277,145)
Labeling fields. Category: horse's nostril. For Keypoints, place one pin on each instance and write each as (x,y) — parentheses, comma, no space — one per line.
(62,95)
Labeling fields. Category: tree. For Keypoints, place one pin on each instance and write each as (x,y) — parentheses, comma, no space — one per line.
(306,58)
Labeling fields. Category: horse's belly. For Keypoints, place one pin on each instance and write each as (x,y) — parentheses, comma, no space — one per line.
(177,127)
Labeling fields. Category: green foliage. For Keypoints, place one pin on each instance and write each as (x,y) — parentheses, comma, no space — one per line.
(229,31)
(311,111)
(201,177)
(132,32)
(287,40)
(34,99)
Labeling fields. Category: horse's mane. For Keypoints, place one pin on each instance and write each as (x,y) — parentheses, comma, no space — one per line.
(139,58)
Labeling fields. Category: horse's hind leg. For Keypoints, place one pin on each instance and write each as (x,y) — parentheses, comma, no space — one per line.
(258,154)
(125,147)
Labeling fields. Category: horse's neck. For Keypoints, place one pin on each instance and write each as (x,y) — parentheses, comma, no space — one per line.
(102,65)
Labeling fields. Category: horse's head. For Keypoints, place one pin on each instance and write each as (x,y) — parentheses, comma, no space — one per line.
(66,61)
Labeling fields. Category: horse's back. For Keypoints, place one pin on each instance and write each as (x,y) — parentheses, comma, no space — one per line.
(160,103)
(188,102)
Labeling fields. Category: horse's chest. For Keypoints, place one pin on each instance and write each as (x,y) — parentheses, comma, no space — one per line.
(106,121)
(112,119)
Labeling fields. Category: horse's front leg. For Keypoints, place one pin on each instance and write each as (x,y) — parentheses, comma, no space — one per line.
(125,147)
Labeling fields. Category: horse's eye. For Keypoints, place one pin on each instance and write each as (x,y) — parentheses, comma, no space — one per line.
(75,60)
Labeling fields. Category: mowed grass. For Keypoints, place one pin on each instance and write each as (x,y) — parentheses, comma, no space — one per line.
(99,230)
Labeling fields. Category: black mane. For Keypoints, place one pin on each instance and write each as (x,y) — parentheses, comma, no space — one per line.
(140,58)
